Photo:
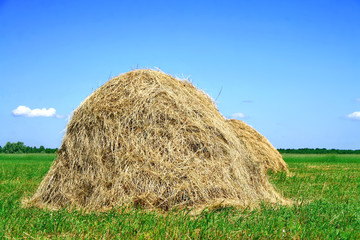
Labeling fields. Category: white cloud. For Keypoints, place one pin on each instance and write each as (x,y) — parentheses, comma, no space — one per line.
(354,115)
(36,112)
(237,115)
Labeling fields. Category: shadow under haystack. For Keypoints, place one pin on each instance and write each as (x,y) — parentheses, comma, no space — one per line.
(147,139)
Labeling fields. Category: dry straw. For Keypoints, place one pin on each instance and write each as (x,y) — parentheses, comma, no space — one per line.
(147,139)
(260,148)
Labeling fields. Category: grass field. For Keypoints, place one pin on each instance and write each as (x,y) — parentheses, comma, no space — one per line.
(327,188)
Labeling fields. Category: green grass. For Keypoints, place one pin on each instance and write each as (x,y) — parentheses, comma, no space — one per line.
(326,187)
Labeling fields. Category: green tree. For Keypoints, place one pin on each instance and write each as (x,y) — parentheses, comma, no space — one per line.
(42,149)
(8,148)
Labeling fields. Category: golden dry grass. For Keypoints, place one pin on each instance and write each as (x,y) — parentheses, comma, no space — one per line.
(147,139)
(260,148)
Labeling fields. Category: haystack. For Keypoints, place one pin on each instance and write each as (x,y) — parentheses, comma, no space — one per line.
(258,146)
(147,139)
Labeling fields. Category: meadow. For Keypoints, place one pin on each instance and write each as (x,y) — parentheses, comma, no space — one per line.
(325,187)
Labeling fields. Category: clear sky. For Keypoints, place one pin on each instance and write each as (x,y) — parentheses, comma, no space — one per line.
(290,69)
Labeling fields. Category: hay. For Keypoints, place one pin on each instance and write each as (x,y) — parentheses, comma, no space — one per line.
(259,147)
(147,139)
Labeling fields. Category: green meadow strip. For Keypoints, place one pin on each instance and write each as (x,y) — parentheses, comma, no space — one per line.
(326,189)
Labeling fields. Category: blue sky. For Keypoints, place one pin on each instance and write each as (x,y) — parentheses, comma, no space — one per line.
(290,69)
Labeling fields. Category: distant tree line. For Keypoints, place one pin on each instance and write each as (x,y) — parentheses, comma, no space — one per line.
(19,147)
(318,151)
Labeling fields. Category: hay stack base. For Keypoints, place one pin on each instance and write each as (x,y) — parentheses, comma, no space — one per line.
(147,139)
